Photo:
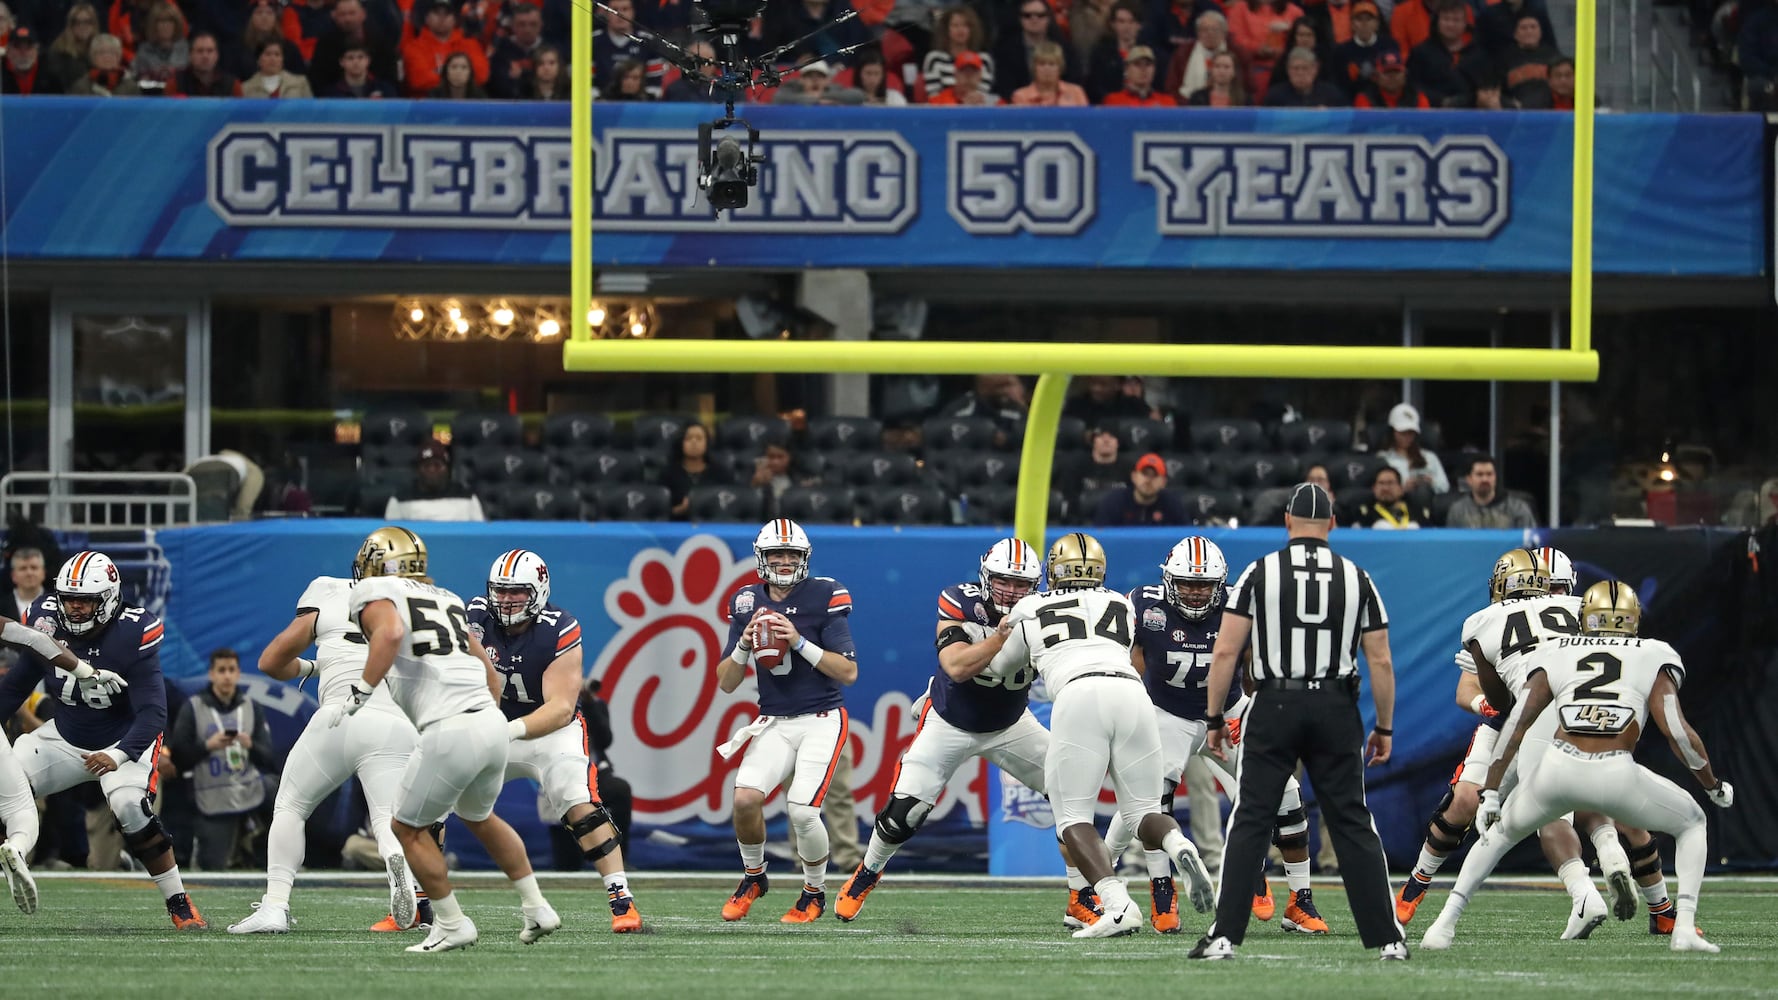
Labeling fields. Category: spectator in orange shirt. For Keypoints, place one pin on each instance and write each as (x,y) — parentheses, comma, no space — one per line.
(1224,89)
(1259,31)
(1139,89)
(1391,88)
(1047,89)
(968,89)
(1411,21)
(424,54)
(1562,84)
(304,24)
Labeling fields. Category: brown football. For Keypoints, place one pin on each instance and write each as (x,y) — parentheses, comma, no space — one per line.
(769,651)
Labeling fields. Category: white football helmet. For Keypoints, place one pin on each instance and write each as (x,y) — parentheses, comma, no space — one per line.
(1010,570)
(519,569)
(1195,559)
(782,535)
(93,576)
(1560,567)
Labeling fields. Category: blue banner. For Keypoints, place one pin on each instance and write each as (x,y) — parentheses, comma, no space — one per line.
(650,599)
(488,183)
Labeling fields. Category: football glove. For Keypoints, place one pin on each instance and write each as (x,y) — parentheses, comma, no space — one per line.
(357,693)
(103,682)
(1723,794)
(1488,813)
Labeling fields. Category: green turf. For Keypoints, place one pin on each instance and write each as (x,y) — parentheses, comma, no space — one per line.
(112,939)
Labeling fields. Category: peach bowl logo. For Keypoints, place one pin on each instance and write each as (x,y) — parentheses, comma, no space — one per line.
(667,713)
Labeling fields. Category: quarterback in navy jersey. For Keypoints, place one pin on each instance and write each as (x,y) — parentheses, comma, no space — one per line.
(1177,621)
(801,730)
(535,647)
(112,738)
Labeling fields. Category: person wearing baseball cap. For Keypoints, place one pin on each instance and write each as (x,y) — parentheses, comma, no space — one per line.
(1353,62)
(1419,468)
(1139,89)
(816,87)
(1144,501)
(1390,88)
(434,495)
(22,72)
(968,89)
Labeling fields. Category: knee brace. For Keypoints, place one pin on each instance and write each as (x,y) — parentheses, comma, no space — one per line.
(149,842)
(133,810)
(1645,861)
(1167,798)
(1292,830)
(590,823)
(1443,834)
(436,831)
(901,817)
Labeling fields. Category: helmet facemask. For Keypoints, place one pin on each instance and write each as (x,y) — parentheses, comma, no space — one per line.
(513,603)
(1193,596)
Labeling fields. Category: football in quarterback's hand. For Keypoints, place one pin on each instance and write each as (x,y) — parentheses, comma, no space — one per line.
(769,650)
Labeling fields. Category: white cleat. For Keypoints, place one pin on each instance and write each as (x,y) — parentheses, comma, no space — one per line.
(1692,941)
(1586,919)
(540,922)
(1623,893)
(462,936)
(266,918)
(18,878)
(1115,922)
(404,903)
(1203,895)
(1439,936)
(1394,952)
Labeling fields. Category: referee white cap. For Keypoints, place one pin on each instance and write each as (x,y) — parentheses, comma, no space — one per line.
(1310,502)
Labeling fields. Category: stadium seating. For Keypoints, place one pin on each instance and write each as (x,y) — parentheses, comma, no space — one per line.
(510,465)
(1192,470)
(1354,468)
(603,465)
(995,503)
(845,433)
(656,432)
(531,502)
(1227,434)
(1071,434)
(882,468)
(1210,506)
(1138,436)
(565,432)
(631,502)
(909,505)
(750,435)
(386,428)
(1264,470)
(957,434)
(818,504)
(1315,437)
(726,503)
(479,431)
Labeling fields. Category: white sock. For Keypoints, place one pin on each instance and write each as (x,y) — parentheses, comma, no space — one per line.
(1112,893)
(1610,851)
(1296,875)
(1076,881)
(529,894)
(878,853)
(616,882)
(753,857)
(1429,864)
(1574,878)
(1159,865)
(388,844)
(170,883)
(815,874)
(284,846)
(1654,895)
(446,912)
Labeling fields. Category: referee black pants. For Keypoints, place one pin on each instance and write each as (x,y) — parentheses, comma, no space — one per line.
(1323,729)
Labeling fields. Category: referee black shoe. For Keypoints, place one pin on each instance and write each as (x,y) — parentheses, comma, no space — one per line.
(1395,952)
(1214,949)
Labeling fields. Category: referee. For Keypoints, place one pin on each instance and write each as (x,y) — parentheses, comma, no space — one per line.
(1307,609)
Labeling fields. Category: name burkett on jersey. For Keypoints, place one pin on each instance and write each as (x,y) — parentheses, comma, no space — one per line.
(1565,641)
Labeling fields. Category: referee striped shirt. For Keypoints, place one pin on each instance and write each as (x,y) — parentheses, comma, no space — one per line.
(1309,607)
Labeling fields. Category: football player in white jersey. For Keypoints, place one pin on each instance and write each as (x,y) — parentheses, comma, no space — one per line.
(418,639)
(1519,619)
(1601,687)
(1078,637)
(374,744)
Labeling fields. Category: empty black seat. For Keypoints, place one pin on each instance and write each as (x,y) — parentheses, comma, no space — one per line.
(632,501)
(1089,502)
(1315,437)
(726,503)
(1351,500)
(1191,470)
(539,503)
(817,504)
(476,431)
(396,427)
(391,456)
(658,431)
(1264,470)
(515,465)
(1071,434)
(750,435)
(998,503)
(604,465)
(1354,468)
(845,433)
(1139,435)
(909,505)
(957,434)
(576,431)
(882,468)
(1206,506)
(1227,434)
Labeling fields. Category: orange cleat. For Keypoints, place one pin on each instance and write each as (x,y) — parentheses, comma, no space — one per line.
(1408,898)
(751,888)
(1164,912)
(853,893)
(1300,915)
(387,925)
(1264,906)
(185,914)
(625,918)
(1661,924)
(1083,909)
(808,909)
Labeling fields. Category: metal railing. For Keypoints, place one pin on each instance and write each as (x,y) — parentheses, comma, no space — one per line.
(63,500)
(1663,72)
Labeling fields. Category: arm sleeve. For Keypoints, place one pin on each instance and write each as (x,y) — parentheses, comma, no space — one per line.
(736,623)
(148,700)
(1435,468)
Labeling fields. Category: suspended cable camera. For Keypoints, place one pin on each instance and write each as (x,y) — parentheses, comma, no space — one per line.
(727,171)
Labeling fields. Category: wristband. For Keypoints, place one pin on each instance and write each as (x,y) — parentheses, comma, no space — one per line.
(304,668)
(516,729)
(1380,731)
(1476,703)
(808,650)
(1212,722)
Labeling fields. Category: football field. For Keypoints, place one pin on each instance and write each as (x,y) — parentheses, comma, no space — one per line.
(111,938)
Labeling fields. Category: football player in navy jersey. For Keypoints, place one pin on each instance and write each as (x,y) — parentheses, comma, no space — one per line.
(99,734)
(536,650)
(1177,621)
(976,705)
(801,730)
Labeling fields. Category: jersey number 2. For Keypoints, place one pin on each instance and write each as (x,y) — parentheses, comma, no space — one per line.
(1610,670)
(449,629)
(1114,624)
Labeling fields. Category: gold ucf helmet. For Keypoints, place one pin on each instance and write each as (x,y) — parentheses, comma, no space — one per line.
(1076,561)
(1610,608)
(1519,573)
(391,551)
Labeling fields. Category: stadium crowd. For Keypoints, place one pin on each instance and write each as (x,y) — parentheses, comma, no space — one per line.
(1488,54)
